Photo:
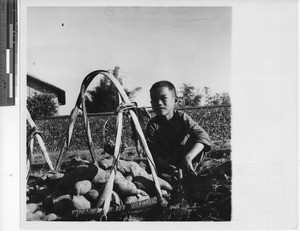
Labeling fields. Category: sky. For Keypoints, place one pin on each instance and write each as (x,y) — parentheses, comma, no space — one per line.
(189,45)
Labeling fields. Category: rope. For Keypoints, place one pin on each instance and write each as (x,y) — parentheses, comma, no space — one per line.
(125,107)
(133,105)
(32,133)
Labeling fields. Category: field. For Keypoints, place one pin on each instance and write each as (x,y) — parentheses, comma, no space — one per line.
(206,197)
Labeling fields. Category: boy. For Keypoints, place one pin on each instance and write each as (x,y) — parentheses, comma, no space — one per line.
(174,139)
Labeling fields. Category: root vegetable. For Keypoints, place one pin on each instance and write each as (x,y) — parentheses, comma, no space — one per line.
(115,199)
(129,177)
(37,216)
(105,193)
(74,163)
(148,185)
(106,163)
(63,197)
(50,217)
(101,176)
(119,175)
(124,187)
(131,199)
(82,172)
(143,182)
(164,184)
(125,167)
(32,207)
(165,194)
(143,173)
(92,195)
(53,179)
(55,176)
(128,167)
(80,202)
(139,185)
(59,204)
(52,176)
(142,195)
(82,187)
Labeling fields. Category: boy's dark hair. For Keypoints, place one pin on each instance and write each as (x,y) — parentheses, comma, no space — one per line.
(164,83)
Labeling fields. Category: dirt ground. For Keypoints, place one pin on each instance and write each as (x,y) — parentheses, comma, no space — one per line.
(206,197)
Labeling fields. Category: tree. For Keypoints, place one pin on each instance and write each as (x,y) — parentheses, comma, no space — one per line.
(188,96)
(207,98)
(105,97)
(220,99)
(41,105)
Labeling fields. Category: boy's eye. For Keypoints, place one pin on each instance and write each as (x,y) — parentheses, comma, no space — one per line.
(157,99)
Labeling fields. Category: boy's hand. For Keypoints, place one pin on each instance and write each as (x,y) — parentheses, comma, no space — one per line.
(171,169)
(188,166)
(187,160)
(163,166)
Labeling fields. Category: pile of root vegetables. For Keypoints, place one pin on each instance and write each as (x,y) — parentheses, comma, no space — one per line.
(55,195)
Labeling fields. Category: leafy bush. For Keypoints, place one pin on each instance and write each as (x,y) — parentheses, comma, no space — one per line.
(41,105)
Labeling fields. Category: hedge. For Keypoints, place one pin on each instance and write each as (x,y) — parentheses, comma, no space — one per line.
(215,120)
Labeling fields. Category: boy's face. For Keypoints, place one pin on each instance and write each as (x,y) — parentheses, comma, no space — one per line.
(163,101)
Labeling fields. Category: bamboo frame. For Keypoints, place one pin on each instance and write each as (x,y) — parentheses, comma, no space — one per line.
(29,155)
(106,195)
(107,192)
(87,126)
(73,116)
(141,137)
(40,141)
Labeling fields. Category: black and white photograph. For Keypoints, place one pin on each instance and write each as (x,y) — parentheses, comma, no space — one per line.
(153,115)
(151,145)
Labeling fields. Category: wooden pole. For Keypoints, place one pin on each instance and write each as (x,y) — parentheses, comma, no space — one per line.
(140,135)
(63,151)
(73,116)
(126,100)
(29,156)
(150,158)
(107,192)
(87,126)
(40,141)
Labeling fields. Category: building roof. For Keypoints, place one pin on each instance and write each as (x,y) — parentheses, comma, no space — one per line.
(45,87)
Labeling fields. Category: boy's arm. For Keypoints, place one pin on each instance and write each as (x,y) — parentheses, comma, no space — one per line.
(187,160)
(202,143)
(197,132)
